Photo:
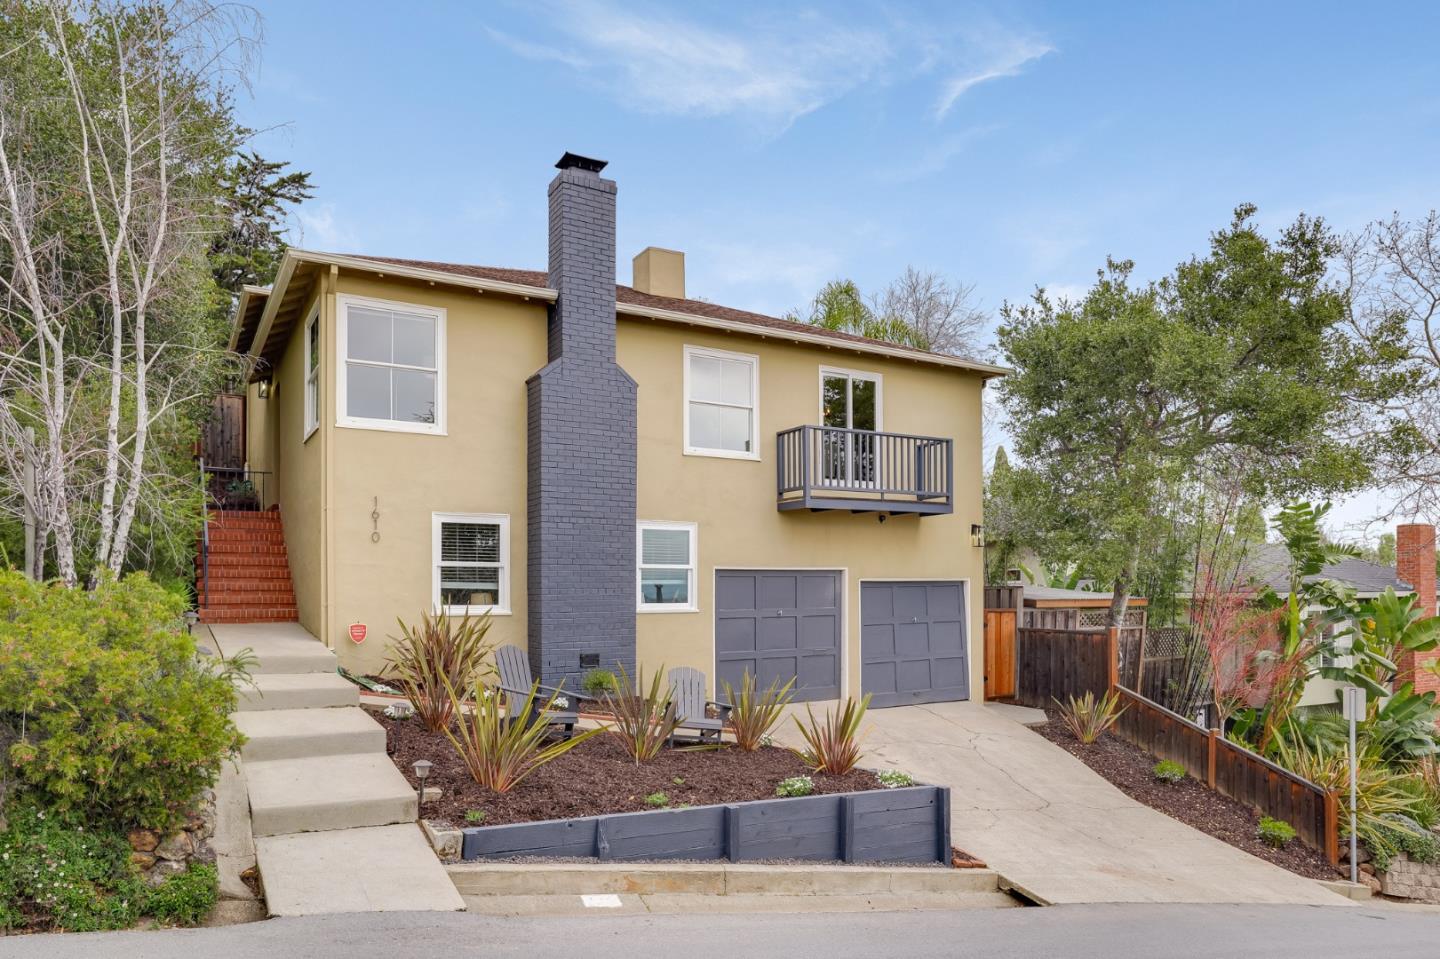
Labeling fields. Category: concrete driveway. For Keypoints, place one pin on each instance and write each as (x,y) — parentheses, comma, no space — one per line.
(1057,831)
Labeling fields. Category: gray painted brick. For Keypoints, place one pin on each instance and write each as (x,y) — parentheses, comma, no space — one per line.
(581,450)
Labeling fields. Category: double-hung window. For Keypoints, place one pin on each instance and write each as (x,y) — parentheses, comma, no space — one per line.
(471,562)
(312,373)
(721,402)
(665,581)
(392,366)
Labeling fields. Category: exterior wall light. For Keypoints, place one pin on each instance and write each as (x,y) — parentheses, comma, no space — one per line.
(262,389)
(977,534)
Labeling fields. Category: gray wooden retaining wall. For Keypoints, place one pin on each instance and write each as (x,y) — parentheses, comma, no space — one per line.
(884,825)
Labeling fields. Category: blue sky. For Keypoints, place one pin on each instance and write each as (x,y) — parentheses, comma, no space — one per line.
(1005,146)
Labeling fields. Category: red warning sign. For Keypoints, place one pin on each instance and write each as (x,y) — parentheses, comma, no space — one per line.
(357,633)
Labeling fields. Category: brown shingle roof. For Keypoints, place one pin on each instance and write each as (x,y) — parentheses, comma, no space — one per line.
(626,295)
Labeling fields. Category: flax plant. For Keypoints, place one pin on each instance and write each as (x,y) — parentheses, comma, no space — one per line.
(499,751)
(1088,717)
(754,714)
(833,742)
(431,660)
(644,722)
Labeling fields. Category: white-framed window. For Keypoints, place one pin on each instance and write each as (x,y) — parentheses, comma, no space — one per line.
(312,372)
(665,577)
(722,402)
(471,562)
(391,366)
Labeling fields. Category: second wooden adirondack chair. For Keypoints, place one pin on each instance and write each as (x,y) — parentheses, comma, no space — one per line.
(692,708)
(516,681)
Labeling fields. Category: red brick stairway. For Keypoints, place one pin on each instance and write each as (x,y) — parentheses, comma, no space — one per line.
(249,573)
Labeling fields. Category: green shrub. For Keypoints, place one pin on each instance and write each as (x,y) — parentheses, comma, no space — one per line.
(1275,832)
(474,816)
(1394,834)
(795,786)
(657,800)
(186,898)
(53,876)
(894,779)
(598,682)
(1169,771)
(832,743)
(107,712)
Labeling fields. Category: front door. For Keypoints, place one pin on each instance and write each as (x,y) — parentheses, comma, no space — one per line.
(849,401)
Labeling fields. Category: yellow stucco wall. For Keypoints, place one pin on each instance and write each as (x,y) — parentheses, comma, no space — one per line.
(493,344)
(296,465)
(733,501)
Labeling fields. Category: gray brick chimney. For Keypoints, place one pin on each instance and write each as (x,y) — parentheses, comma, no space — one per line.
(581,465)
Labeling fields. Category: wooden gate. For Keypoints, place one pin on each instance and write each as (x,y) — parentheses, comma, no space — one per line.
(222,442)
(999,653)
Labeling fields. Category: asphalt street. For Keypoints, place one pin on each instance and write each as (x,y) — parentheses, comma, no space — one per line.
(1081,932)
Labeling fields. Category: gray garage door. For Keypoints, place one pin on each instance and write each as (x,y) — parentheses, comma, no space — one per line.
(779,624)
(912,643)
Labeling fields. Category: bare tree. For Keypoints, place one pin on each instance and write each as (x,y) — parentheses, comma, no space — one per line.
(106,340)
(1392,271)
(945,317)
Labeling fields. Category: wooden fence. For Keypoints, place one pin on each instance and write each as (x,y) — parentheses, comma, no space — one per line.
(1233,770)
(1003,597)
(1056,664)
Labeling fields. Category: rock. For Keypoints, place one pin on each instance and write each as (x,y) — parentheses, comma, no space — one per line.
(164,869)
(203,852)
(1367,868)
(430,794)
(1372,882)
(143,840)
(143,860)
(177,848)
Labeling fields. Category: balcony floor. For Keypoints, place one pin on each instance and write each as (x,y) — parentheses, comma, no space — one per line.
(935,507)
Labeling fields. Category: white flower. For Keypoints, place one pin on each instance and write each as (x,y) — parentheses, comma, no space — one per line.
(560,702)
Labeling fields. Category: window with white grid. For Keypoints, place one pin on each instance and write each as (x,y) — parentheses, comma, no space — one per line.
(665,579)
(471,564)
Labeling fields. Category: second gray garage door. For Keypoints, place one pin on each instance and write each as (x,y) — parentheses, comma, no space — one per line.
(912,643)
(779,624)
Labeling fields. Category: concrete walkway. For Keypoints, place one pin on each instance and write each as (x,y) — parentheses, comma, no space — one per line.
(1057,831)
(332,819)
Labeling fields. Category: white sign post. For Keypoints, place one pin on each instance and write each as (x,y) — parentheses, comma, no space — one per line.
(1354,711)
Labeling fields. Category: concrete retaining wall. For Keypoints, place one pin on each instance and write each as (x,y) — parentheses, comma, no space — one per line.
(885,825)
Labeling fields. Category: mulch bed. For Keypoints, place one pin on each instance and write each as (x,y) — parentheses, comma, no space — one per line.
(1131,770)
(598,777)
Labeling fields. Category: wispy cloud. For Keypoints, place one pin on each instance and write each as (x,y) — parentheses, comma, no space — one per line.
(997,55)
(936,158)
(774,69)
(318,228)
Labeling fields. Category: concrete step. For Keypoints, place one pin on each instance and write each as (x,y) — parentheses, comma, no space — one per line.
(377,869)
(689,904)
(324,793)
(300,733)
(297,691)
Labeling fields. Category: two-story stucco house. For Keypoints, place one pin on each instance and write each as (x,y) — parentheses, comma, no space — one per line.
(617,474)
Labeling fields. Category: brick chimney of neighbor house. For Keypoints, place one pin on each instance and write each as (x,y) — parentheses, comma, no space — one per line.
(659,272)
(581,462)
(1415,564)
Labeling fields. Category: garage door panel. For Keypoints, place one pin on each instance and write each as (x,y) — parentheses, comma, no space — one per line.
(777,633)
(818,592)
(947,638)
(878,639)
(734,635)
(733,672)
(778,591)
(912,639)
(735,592)
(913,642)
(945,602)
(779,625)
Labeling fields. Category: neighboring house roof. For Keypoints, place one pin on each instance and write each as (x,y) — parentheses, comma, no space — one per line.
(1267,564)
(1058,597)
(251,327)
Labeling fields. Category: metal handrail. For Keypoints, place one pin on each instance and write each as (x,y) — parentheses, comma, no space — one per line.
(256,479)
(204,535)
(870,462)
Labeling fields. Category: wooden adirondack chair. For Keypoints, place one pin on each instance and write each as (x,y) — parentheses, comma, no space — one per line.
(516,681)
(687,693)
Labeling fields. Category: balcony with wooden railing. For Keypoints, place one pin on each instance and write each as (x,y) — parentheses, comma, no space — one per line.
(864,471)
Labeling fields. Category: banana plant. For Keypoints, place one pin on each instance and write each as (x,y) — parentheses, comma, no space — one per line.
(1384,630)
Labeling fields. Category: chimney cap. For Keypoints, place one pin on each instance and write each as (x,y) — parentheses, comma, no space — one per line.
(576,161)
